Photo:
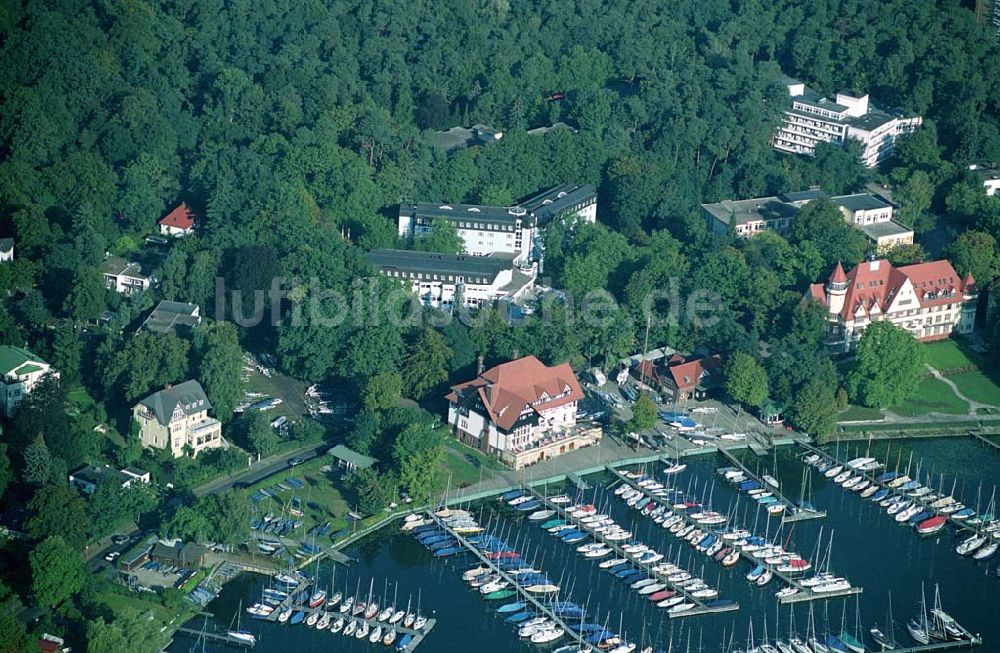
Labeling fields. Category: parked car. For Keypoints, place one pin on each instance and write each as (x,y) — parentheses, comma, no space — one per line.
(112,556)
(240,485)
(296,461)
(119,539)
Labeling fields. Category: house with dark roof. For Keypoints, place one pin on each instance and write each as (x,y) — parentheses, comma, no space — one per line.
(20,372)
(172,316)
(521,411)
(179,222)
(686,378)
(87,478)
(930,300)
(6,249)
(123,276)
(180,554)
(176,418)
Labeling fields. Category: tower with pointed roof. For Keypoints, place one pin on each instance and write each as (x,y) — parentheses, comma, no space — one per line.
(836,289)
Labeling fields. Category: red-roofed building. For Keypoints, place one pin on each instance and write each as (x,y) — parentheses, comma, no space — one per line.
(692,379)
(521,411)
(179,222)
(930,300)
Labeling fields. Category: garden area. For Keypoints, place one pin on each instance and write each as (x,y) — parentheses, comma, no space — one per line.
(468,466)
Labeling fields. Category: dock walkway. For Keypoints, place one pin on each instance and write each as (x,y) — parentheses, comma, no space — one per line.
(961,526)
(792,512)
(495,568)
(224,638)
(700,605)
(804,593)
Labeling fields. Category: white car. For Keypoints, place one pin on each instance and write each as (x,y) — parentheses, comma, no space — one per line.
(112,556)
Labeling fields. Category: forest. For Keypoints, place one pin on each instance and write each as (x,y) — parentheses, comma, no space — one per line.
(294,130)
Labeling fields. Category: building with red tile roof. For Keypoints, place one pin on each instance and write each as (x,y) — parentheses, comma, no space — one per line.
(179,222)
(930,300)
(517,410)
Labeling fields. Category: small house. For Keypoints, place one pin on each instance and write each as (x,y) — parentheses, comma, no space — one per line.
(179,222)
(349,460)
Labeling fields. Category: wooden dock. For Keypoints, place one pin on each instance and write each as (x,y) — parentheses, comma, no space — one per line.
(700,606)
(978,437)
(804,593)
(941,646)
(961,526)
(528,596)
(792,512)
(224,638)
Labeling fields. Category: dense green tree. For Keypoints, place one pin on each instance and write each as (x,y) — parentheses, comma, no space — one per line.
(821,223)
(130,630)
(746,380)
(106,508)
(187,523)
(57,571)
(220,367)
(5,473)
(364,432)
(58,509)
(382,391)
(147,362)
(255,433)
(37,462)
(427,363)
(227,515)
(976,253)
(643,414)
(422,473)
(814,408)
(67,353)
(888,366)
(13,637)
(373,490)
(86,299)
(914,196)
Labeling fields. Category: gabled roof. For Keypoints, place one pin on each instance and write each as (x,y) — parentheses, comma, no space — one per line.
(689,374)
(182,217)
(188,396)
(508,390)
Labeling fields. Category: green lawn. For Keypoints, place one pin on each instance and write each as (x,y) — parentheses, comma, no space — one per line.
(946,355)
(467,464)
(855,413)
(977,387)
(933,396)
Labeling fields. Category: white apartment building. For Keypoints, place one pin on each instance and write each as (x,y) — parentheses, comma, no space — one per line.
(930,300)
(873,215)
(444,281)
(20,372)
(813,119)
(177,417)
(520,411)
(489,230)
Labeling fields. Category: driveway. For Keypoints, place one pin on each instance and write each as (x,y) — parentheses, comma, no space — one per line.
(261,470)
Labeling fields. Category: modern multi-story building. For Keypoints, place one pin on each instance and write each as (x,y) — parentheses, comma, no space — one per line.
(6,249)
(124,276)
(489,230)
(521,411)
(873,215)
(20,372)
(179,222)
(444,281)
(176,418)
(814,119)
(930,300)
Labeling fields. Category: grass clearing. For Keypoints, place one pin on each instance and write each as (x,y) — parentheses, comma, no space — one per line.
(932,396)
(322,499)
(467,465)
(854,413)
(977,387)
(946,355)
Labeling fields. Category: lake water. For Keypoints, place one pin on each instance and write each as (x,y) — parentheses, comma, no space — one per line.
(869,548)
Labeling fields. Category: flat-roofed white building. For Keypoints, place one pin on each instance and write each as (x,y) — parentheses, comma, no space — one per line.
(443,281)
(20,372)
(814,119)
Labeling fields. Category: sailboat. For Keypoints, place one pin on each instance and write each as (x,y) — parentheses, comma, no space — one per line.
(886,639)
(238,633)
(851,641)
(917,626)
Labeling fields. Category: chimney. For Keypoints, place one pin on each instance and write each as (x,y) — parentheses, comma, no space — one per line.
(167,386)
(516,353)
(479,364)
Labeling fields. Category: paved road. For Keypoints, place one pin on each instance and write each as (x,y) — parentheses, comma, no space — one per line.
(261,470)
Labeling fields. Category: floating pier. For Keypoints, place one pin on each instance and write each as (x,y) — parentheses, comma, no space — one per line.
(495,568)
(792,512)
(224,638)
(700,605)
(978,437)
(941,646)
(871,476)
(804,593)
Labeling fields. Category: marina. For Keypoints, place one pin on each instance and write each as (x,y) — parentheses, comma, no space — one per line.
(869,548)
(802,593)
(793,510)
(700,606)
